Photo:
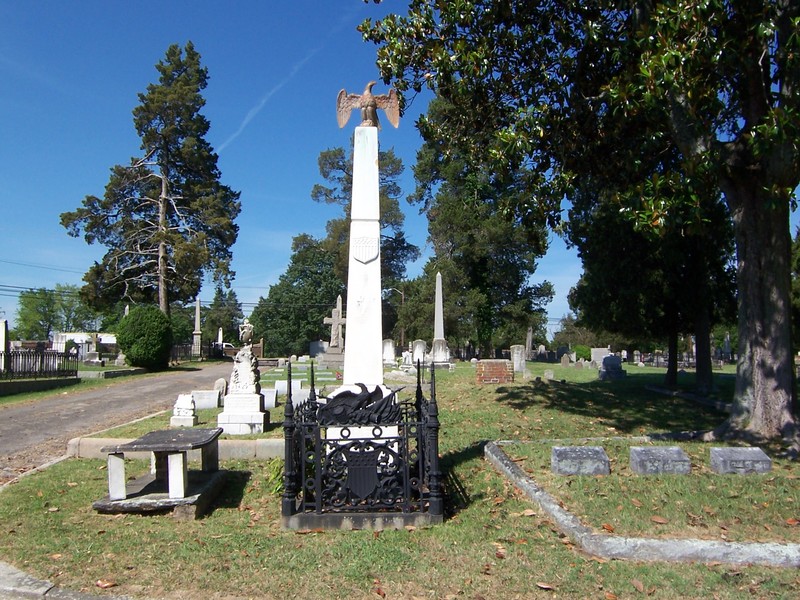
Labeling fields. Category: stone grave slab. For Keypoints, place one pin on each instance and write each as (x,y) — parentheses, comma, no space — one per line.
(579,460)
(659,461)
(206,398)
(740,460)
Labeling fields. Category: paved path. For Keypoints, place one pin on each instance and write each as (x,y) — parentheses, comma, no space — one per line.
(34,433)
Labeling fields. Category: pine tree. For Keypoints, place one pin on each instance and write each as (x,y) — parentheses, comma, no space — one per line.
(165,218)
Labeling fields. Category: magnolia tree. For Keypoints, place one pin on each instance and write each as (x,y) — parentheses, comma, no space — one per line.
(647,103)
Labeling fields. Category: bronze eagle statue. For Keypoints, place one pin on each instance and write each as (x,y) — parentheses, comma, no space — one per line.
(369,104)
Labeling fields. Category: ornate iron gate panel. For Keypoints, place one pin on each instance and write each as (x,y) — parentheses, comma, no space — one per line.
(362,453)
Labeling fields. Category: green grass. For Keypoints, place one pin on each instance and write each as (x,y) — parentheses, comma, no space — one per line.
(493,544)
(704,505)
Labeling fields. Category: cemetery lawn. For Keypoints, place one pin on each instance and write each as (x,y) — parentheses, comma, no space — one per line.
(493,543)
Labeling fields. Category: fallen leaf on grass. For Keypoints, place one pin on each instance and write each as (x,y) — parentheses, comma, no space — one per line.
(608,527)
(638,585)
(52,509)
(500,550)
(72,484)
(659,520)
(104,584)
(56,556)
(545,586)
(610,596)
(792,521)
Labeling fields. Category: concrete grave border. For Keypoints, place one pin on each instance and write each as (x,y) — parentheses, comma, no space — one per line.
(771,554)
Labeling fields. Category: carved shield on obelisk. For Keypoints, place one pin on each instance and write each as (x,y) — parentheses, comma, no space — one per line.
(365,249)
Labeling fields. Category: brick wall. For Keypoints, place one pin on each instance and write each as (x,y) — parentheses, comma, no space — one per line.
(495,371)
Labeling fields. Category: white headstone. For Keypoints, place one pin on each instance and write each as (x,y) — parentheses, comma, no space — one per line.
(388,353)
(183,413)
(518,358)
(362,354)
(419,348)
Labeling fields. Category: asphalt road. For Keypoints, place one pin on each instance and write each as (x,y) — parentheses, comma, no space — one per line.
(36,432)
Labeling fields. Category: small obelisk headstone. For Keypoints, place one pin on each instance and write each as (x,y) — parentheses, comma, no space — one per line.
(197,335)
(5,344)
(440,353)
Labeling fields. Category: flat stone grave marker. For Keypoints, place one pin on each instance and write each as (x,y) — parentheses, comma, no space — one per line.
(659,461)
(740,460)
(579,460)
(206,398)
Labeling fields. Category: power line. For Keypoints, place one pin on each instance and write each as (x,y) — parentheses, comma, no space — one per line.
(36,266)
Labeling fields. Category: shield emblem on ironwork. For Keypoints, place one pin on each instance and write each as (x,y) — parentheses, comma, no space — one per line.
(362,472)
(365,249)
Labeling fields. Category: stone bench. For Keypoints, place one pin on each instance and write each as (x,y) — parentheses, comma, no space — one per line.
(169,449)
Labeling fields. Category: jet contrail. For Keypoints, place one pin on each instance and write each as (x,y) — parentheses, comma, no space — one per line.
(251,114)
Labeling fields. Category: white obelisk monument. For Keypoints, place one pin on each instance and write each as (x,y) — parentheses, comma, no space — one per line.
(440,353)
(363,356)
(197,334)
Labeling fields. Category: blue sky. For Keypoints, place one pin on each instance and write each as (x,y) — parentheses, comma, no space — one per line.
(70,73)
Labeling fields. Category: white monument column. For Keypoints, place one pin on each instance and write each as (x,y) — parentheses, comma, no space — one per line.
(438,310)
(197,335)
(440,353)
(363,351)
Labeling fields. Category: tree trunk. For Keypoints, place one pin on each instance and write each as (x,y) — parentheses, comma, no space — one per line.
(704,377)
(671,378)
(764,401)
(163,296)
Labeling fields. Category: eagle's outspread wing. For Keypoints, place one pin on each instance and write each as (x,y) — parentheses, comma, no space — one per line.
(345,104)
(391,106)
(369,104)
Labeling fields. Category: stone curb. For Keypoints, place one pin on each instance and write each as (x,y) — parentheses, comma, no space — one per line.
(84,447)
(642,549)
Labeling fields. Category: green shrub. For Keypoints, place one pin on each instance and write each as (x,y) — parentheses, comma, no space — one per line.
(145,337)
(582,352)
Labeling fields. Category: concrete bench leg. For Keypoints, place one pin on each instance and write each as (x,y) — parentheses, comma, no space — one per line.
(116,476)
(210,457)
(178,474)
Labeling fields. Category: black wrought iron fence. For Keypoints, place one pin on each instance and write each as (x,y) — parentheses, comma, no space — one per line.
(27,364)
(362,453)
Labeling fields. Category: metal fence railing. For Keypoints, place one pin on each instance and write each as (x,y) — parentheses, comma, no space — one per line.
(27,364)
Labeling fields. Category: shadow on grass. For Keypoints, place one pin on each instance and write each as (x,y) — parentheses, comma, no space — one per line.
(456,496)
(232,493)
(624,404)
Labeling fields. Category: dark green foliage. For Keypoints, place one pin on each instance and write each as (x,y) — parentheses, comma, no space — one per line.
(486,256)
(582,352)
(181,318)
(43,312)
(336,167)
(165,218)
(145,337)
(291,316)
(592,95)
(225,312)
